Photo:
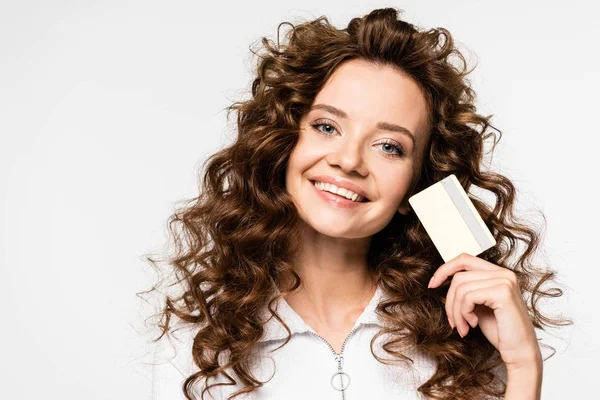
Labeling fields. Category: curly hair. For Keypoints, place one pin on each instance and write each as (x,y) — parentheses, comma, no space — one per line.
(234,242)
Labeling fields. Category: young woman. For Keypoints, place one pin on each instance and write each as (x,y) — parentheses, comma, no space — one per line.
(304,273)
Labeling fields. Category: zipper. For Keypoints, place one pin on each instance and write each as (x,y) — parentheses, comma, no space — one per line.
(339,358)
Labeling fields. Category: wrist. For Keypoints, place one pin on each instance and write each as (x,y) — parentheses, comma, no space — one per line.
(524,381)
(528,365)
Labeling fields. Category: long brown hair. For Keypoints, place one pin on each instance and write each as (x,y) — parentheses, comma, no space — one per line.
(233,243)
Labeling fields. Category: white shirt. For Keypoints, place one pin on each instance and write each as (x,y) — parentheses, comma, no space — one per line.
(305,365)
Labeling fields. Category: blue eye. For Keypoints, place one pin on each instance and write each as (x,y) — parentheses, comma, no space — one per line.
(398,148)
(321,124)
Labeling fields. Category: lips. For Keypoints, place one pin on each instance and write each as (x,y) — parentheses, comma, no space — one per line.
(364,200)
(341,183)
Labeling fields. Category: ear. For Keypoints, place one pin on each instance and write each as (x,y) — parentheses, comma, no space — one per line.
(404,208)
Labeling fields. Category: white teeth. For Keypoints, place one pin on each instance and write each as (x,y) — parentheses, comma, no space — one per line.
(350,195)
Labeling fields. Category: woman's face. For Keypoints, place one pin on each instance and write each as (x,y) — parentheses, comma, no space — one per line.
(367,127)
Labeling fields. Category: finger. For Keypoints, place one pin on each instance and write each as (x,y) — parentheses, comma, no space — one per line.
(463,321)
(463,262)
(471,293)
(467,276)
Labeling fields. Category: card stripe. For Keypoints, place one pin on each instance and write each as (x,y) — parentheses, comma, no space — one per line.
(466,213)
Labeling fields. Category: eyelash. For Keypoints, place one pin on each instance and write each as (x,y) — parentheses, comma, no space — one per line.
(397,146)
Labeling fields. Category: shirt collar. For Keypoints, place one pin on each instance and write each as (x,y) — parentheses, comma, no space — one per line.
(274,330)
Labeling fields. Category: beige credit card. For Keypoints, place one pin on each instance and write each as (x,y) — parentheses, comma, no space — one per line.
(451,220)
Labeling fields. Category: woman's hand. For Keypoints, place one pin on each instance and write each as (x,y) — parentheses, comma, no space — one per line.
(487,294)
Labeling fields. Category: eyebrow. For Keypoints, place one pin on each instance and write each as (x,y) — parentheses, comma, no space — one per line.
(381,125)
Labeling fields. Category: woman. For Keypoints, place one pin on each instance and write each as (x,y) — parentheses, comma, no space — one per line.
(303,270)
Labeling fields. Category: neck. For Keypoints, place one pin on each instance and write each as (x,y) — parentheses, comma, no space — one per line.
(336,283)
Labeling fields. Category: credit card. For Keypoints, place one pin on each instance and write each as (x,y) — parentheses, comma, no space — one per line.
(451,220)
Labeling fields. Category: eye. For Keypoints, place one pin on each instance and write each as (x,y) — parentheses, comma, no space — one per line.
(323,122)
(390,144)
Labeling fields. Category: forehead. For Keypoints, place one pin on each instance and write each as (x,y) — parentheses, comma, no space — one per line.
(371,93)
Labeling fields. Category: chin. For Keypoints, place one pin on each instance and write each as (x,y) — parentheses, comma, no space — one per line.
(333,228)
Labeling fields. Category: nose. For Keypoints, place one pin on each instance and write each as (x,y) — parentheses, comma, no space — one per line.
(348,156)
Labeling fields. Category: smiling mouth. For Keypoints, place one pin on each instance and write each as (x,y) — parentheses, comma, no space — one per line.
(364,200)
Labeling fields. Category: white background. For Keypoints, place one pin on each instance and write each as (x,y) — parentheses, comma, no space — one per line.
(108,108)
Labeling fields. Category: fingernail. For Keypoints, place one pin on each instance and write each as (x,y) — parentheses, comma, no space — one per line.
(430,282)
(450,322)
(460,333)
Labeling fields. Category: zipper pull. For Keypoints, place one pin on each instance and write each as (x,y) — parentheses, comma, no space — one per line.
(340,359)
(340,380)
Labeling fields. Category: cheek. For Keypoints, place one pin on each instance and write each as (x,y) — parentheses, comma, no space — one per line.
(294,161)
(393,186)
(304,155)
(297,164)
(290,169)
